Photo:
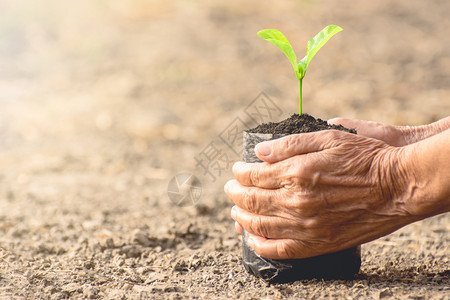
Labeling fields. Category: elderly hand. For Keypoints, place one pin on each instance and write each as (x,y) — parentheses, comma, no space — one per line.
(391,135)
(394,135)
(320,192)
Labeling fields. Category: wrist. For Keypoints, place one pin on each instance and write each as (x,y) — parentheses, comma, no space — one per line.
(395,184)
(413,134)
(428,168)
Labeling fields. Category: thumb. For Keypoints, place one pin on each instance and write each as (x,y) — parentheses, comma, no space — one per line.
(296,144)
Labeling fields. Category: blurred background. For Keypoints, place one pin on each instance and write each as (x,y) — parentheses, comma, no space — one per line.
(147,84)
(103,102)
(123,95)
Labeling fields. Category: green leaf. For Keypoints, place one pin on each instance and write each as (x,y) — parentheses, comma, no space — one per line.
(318,41)
(278,39)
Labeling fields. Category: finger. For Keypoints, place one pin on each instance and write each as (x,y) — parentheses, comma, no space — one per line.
(260,175)
(296,144)
(266,226)
(279,248)
(253,199)
(349,123)
(365,128)
(238,227)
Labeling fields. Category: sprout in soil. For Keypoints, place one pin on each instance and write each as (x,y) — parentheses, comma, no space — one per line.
(278,39)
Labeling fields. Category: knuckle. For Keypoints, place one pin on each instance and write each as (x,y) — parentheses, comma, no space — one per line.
(302,207)
(249,200)
(290,143)
(289,172)
(255,176)
(284,250)
(257,226)
(311,224)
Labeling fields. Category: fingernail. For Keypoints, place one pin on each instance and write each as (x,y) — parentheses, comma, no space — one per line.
(233,212)
(264,149)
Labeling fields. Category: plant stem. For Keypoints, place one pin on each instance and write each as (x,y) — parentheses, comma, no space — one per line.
(300,102)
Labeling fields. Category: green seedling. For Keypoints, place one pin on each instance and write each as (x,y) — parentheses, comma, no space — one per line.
(278,39)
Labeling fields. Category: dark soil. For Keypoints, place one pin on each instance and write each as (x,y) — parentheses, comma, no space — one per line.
(297,124)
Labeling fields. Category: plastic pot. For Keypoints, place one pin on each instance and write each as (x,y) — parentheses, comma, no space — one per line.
(339,265)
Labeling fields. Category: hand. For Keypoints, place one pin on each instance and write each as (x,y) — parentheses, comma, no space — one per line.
(391,135)
(394,135)
(318,193)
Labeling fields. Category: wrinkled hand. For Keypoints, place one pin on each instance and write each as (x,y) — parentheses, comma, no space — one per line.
(317,193)
(394,135)
(391,135)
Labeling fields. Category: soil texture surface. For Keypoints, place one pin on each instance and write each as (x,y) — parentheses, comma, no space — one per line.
(298,124)
(104,103)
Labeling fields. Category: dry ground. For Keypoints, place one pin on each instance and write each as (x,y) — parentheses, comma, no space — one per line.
(102,102)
